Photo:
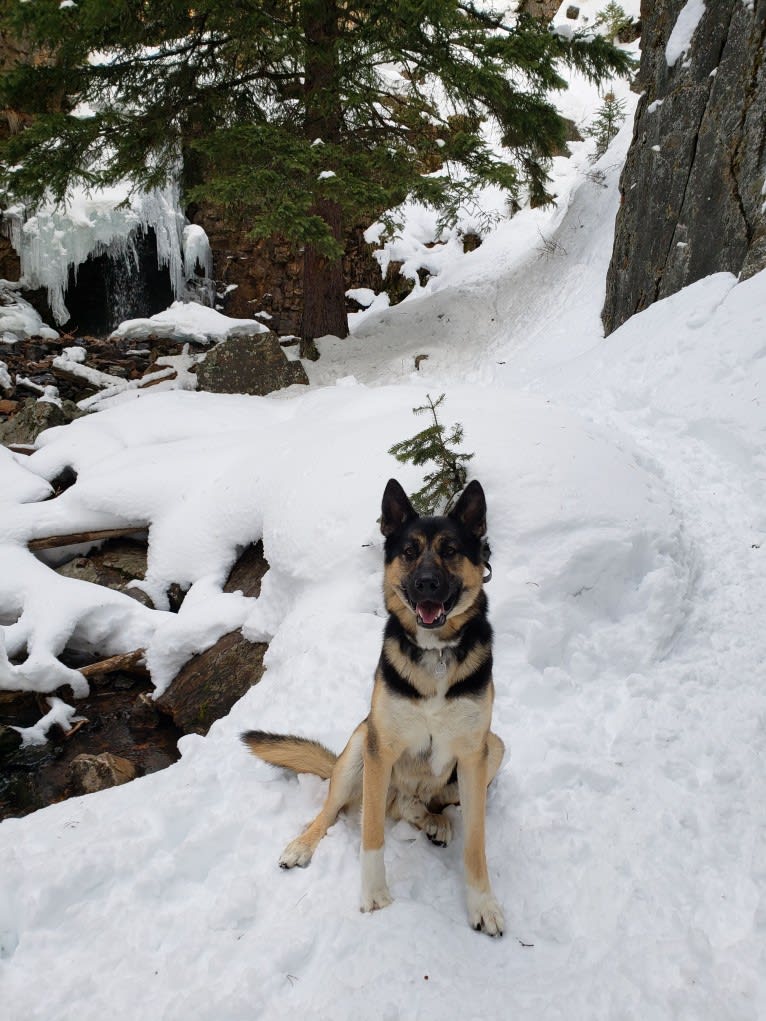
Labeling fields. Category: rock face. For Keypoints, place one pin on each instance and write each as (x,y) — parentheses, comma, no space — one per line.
(692,186)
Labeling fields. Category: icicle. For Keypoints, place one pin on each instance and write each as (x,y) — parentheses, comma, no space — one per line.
(58,239)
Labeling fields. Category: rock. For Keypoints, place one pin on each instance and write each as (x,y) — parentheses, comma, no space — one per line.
(249,364)
(114,565)
(573,12)
(10,740)
(544,9)
(90,773)
(691,188)
(34,417)
(209,684)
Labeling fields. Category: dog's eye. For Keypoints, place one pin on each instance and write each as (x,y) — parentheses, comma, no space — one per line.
(448,551)
(410,553)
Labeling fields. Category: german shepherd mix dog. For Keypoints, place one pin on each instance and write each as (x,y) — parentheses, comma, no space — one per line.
(426,742)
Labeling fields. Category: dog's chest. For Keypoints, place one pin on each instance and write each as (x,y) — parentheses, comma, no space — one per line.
(434,726)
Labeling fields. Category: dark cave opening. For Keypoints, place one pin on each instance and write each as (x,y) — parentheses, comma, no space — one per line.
(108,290)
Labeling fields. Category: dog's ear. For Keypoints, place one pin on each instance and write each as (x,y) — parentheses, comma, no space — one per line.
(396,509)
(471,509)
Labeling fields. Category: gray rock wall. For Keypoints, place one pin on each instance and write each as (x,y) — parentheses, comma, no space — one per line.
(693,185)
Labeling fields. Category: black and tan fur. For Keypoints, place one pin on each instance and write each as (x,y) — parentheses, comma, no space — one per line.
(426,742)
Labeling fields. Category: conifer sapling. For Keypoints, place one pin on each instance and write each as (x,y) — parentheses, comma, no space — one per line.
(449,476)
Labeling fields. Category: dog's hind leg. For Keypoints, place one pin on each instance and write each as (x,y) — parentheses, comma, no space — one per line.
(436,826)
(345,788)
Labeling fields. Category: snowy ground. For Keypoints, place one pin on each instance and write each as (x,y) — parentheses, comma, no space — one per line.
(626,837)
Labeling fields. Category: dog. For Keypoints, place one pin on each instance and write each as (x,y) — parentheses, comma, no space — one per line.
(426,742)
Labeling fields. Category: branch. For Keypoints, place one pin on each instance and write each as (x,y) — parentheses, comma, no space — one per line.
(128,661)
(74,538)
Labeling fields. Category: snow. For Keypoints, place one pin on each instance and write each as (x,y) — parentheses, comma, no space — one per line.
(680,39)
(60,714)
(17,317)
(625,484)
(188,321)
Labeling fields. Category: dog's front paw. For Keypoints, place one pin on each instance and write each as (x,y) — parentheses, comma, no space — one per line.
(372,900)
(484,913)
(297,853)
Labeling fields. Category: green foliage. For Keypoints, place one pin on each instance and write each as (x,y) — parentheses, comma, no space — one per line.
(609,118)
(614,20)
(433,444)
(232,97)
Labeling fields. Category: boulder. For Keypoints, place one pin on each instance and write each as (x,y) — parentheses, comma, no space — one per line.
(90,773)
(249,364)
(34,417)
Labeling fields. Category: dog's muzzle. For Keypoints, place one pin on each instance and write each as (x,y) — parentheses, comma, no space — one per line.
(429,596)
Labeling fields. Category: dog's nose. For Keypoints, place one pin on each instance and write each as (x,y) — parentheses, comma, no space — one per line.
(427,584)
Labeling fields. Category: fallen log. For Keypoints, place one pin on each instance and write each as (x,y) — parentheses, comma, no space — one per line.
(75,538)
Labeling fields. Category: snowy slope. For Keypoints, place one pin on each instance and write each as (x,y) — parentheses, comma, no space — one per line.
(625,829)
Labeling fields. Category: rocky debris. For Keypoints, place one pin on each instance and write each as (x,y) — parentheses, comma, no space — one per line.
(249,364)
(691,188)
(91,773)
(38,363)
(122,722)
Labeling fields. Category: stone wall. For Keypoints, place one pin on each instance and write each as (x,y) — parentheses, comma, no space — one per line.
(692,187)
(266,275)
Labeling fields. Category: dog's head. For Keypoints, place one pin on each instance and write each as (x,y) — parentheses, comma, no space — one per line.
(434,566)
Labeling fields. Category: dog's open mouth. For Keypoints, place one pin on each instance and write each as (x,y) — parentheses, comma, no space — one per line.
(430,614)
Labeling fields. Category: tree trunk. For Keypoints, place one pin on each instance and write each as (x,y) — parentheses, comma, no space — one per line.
(324,299)
(324,288)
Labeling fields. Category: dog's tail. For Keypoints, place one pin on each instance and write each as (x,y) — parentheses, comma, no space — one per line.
(297,753)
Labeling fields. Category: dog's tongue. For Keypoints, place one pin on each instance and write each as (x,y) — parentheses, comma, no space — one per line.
(429,612)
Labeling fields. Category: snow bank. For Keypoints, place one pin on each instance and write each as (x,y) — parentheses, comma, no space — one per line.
(206,476)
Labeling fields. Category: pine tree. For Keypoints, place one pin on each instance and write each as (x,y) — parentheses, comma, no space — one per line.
(607,122)
(614,20)
(298,117)
(442,485)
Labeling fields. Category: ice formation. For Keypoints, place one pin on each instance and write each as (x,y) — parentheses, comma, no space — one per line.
(59,238)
